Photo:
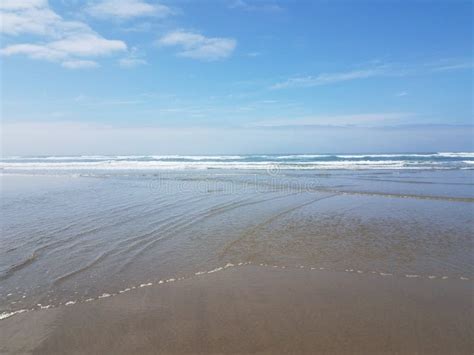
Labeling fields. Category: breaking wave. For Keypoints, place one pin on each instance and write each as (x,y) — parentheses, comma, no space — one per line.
(443,160)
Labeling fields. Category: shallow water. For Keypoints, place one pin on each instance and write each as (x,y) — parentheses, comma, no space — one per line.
(69,235)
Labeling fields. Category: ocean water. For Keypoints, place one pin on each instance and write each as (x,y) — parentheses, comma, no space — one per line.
(446,160)
(78,228)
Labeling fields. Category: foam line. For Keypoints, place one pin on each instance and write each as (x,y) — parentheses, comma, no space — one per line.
(39,306)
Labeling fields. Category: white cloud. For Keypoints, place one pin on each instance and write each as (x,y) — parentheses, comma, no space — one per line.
(67,49)
(197,46)
(329,78)
(35,17)
(79,64)
(60,40)
(125,9)
(401,93)
(18,5)
(34,51)
(31,20)
(87,44)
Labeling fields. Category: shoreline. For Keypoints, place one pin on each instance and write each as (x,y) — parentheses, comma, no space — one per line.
(148,283)
(255,309)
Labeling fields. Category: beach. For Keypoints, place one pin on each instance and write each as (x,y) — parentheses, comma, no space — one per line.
(258,310)
(236,177)
(237,255)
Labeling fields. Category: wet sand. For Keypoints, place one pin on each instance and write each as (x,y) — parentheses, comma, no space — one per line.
(259,310)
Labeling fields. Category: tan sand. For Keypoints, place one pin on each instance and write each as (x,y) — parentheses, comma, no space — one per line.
(259,310)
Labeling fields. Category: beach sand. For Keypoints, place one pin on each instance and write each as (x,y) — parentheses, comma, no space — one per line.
(259,310)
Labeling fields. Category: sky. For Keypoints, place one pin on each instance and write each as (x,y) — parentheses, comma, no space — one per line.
(235,76)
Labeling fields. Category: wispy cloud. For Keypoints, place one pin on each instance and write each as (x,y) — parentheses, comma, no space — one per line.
(348,120)
(78,45)
(330,78)
(80,98)
(133,59)
(254,54)
(197,46)
(450,65)
(126,9)
(255,6)
(376,70)
(62,41)
(79,64)
(401,94)
(131,62)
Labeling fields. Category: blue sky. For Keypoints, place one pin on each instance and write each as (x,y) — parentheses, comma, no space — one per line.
(235,76)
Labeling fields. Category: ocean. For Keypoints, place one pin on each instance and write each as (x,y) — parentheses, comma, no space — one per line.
(446,160)
(76,229)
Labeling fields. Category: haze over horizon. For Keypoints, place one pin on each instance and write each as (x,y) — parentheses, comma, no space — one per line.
(235,77)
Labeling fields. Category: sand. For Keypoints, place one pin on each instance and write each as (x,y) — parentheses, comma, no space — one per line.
(259,310)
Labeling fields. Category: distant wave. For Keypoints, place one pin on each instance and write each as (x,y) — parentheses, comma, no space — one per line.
(442,160)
